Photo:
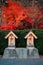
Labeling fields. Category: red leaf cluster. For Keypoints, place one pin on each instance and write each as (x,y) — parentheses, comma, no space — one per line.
(14,13)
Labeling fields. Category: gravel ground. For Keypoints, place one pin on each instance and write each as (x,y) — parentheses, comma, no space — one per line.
(21,61)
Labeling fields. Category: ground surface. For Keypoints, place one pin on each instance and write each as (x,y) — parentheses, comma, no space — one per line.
(21,61)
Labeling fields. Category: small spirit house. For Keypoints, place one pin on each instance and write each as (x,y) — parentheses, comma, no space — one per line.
(11,38)
(30,38)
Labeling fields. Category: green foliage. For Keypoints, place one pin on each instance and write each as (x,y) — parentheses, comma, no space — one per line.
(21,42)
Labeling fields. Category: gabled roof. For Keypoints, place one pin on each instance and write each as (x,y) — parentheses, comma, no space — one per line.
(10,34)
(30,33)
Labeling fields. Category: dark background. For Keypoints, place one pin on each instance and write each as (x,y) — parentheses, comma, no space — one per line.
(25,2)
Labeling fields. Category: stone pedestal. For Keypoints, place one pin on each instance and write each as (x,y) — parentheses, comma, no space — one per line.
(20,53)
(32,52)
(10,52)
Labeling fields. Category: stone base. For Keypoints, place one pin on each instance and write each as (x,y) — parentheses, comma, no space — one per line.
(32,52)
(22,52)
(12,52)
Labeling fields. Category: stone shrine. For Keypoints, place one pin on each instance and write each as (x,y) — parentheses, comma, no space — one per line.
(32,52)
(10,51)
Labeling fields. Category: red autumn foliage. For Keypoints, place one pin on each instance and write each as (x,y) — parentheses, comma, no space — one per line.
(14,13)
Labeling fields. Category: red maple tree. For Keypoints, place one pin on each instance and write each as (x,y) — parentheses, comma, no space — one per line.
(14,15)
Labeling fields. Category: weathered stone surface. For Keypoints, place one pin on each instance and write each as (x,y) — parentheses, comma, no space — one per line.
(12,52)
